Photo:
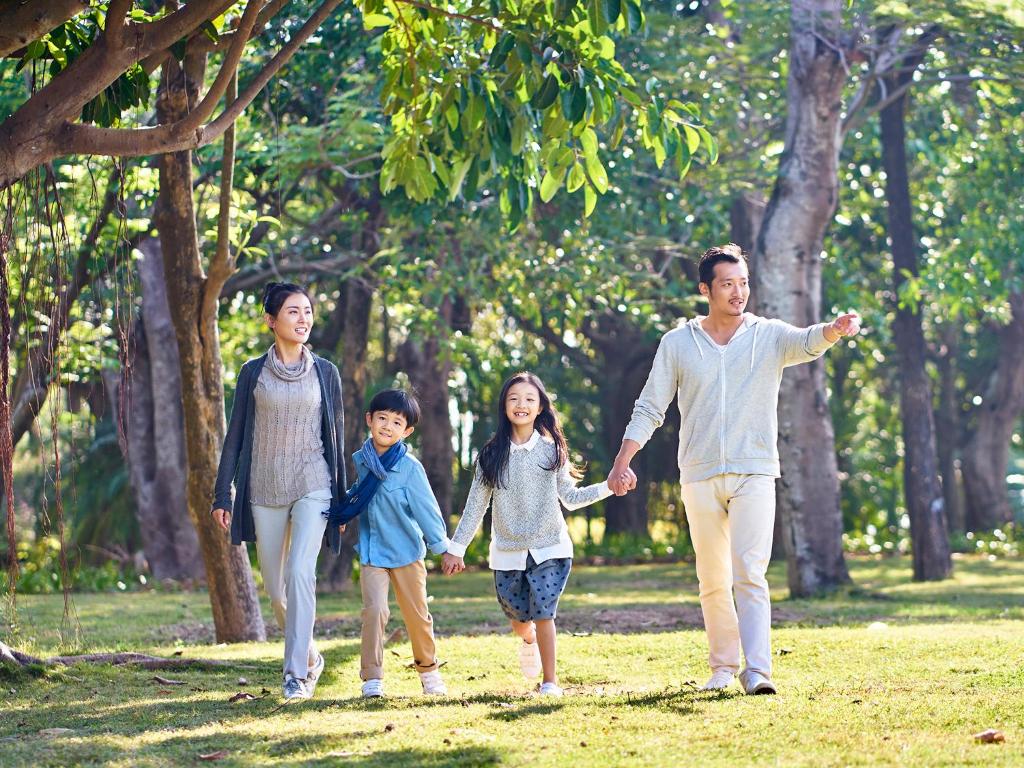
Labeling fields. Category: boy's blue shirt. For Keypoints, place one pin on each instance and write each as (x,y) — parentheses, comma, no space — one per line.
(399,517)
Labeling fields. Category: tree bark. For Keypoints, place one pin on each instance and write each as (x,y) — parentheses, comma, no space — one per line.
(236,609)
(986,456)
(147,409)
(947,430)
(922,489)
(788,286)
(356,303)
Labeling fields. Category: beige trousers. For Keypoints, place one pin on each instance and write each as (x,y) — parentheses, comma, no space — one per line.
(410,583)
(732,518)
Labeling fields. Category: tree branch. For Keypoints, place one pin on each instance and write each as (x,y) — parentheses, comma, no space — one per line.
(21,23)
(114,25)
(223,265)
(117,142)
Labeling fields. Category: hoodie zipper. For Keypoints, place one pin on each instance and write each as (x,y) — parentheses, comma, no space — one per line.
(721,412)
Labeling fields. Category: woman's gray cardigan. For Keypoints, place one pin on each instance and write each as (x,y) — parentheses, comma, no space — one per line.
(236,457)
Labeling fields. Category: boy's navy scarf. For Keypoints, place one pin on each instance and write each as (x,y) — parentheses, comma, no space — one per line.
(358,497)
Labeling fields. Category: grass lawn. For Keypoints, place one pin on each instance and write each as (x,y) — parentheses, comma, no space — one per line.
(888,672)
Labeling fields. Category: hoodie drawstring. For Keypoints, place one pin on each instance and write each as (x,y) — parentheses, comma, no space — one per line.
(694,334)
(753,347)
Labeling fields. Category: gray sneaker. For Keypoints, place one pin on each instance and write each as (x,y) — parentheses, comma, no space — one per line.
(313,676)
(295,689)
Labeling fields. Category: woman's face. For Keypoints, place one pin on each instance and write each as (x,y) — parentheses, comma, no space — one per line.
(522,403)
(294,320)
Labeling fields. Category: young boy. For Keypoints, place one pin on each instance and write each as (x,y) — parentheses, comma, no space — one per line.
(399,516)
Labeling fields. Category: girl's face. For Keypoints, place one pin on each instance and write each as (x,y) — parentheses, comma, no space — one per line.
(522,403)
(294,321)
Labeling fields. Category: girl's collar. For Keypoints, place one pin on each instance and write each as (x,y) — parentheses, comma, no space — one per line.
(529,444)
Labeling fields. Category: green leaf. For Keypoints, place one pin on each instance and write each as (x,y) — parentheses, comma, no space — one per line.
(612,9)
(564,9)
(692,138)
(631,97)
(710,144)
(588,140)
(374,20)
(634,16)
(577,178)
(546,94)
(551,183)
(518,138)
(596,172)
(458,176)
(574,104)
(501,50)
(589,200)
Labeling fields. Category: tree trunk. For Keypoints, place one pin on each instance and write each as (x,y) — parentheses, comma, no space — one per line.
(236,609)
(357,301)
(788,286)
(947,431)
(147,409)
(922,490)
(986,456)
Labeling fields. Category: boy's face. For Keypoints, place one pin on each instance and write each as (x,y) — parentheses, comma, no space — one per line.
(387,428)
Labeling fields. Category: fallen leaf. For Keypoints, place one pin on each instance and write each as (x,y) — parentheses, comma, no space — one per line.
(583,743)
(877,626)
(264,692)
(165,691)
(505,704)
(241,696)
(990,736)
(389,727)
(167,681)
(448,742)
(220,754)
(581,634)
(242,681)
(176,653)
(56,731)
(784,651)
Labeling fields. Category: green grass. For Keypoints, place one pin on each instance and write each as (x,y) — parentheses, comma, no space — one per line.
(888,672)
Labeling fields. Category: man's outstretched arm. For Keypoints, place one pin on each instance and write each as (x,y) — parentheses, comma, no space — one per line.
(845,325)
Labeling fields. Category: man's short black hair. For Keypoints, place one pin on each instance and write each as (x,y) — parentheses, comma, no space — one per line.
(729,252)
(397,401)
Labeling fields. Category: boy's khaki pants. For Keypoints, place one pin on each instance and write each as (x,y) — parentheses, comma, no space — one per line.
(410,582)
(732,518)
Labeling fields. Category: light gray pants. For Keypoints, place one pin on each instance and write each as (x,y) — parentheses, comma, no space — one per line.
(287,541)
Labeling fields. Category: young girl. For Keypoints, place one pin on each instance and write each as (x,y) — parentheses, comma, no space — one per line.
(284,454)
(523,471)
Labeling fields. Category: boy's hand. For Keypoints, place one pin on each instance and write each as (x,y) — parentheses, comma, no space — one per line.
(341,528)
(450,564)
(223,518)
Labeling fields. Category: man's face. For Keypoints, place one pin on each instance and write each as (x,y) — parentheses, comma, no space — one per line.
(729,291)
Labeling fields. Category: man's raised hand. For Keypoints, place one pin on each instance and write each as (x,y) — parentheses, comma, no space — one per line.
(847,324)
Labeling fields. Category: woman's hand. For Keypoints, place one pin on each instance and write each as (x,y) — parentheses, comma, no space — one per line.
(223,518)
(450,564)
(341,528)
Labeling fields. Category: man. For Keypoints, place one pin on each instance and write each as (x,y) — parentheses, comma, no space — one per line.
(726,369)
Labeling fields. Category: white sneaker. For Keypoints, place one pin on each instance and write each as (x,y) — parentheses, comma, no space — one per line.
(550,689)
(313,676)
(295,689)
(719,680)
(373,688)
(529,660)
(755,683)
(433,683)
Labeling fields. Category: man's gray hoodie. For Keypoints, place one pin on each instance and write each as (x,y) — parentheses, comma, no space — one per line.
(728,396)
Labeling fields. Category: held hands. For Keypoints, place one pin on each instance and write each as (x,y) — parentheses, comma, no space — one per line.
(223,518)
(846,325)
(450,564)
(621,479)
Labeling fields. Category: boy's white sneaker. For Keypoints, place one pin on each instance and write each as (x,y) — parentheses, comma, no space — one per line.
(550,689)
(754,683)
(529,660)
(433,683)
(720,679)
(373,688)
(295,689)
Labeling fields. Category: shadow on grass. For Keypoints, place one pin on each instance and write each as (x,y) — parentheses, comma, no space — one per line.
(462,757)
(518,713)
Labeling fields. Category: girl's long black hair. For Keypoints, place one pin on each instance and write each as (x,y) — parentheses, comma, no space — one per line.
(493,459)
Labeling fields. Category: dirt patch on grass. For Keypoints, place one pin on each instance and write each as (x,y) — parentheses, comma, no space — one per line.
(202,632)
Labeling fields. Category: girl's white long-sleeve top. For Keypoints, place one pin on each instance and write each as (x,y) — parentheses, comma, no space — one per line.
(525,514)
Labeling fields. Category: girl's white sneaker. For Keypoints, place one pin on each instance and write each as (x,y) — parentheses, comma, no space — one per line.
(529,660)
(550,689)
(373,688)
(720,679)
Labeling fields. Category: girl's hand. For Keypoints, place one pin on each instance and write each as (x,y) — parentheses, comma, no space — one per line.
(450,564)
(341,528)
(222,518)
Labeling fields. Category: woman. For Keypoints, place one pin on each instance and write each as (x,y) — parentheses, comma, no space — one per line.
(284,453)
